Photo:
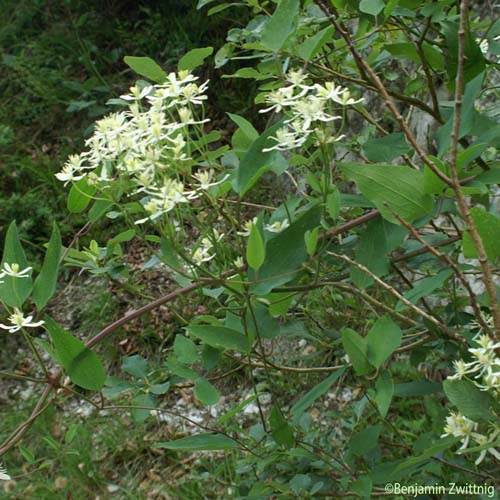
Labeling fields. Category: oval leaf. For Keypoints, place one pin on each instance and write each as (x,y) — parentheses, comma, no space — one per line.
(220,337)
(470,401)
(145,66)
(80,195)
(256,251)
(14,291)
(81,364)
(200,442)
(392,189)
(46,281)
(194,58)
(281,24)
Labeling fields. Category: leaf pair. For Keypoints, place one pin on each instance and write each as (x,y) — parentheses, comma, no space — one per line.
(370,352)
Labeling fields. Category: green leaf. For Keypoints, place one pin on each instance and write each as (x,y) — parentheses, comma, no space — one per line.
(46,282)
(80,195)
(441,445)
(14,291)
(200,442)
(386,148)
(194,58)
(160,388)
(356,348)
(474,58)
(406,50)
(220,337)
(467,115)
(333,203)
(400,189)
(371,251)
(306,401)
(280,429)
(122,237)
(246,127)
(256,251)
(300,483)
(384,391)
(169,255)
(136,366)
(145,66)
(205,392)
(255,161)
(372,7)
(488,227)
(80,363)
(470,401)
(362,487)
(424,287)
(285,253)
(267,326)
(281,24)
(382,340)
(418,388)
(364,441)
(98,209)
(311,240)
(311,45)
(142,399)
(185,350)
(432,183)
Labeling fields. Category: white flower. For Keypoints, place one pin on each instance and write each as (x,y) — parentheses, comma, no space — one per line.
(204,178)
(484,440)
(329,91)
(286,140)
(247,227)
(67,174)
(193,93)
(297,79)
(461,369)
(18,321)
(458,425)
(186,117)
(486,359)
(483,45)
(278,226)
(491,382)
(279,99)
(202,254)
(136,94)
(13,271)
(3,474)
(310,110)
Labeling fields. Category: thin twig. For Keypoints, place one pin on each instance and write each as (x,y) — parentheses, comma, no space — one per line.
(402,298)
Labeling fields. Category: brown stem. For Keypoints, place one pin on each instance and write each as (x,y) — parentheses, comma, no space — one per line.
(402,298)
(462,204)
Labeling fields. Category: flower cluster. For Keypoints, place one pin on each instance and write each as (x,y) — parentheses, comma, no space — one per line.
(151,147)
(306,108)
(461,427)
(484,372)
(484,369)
